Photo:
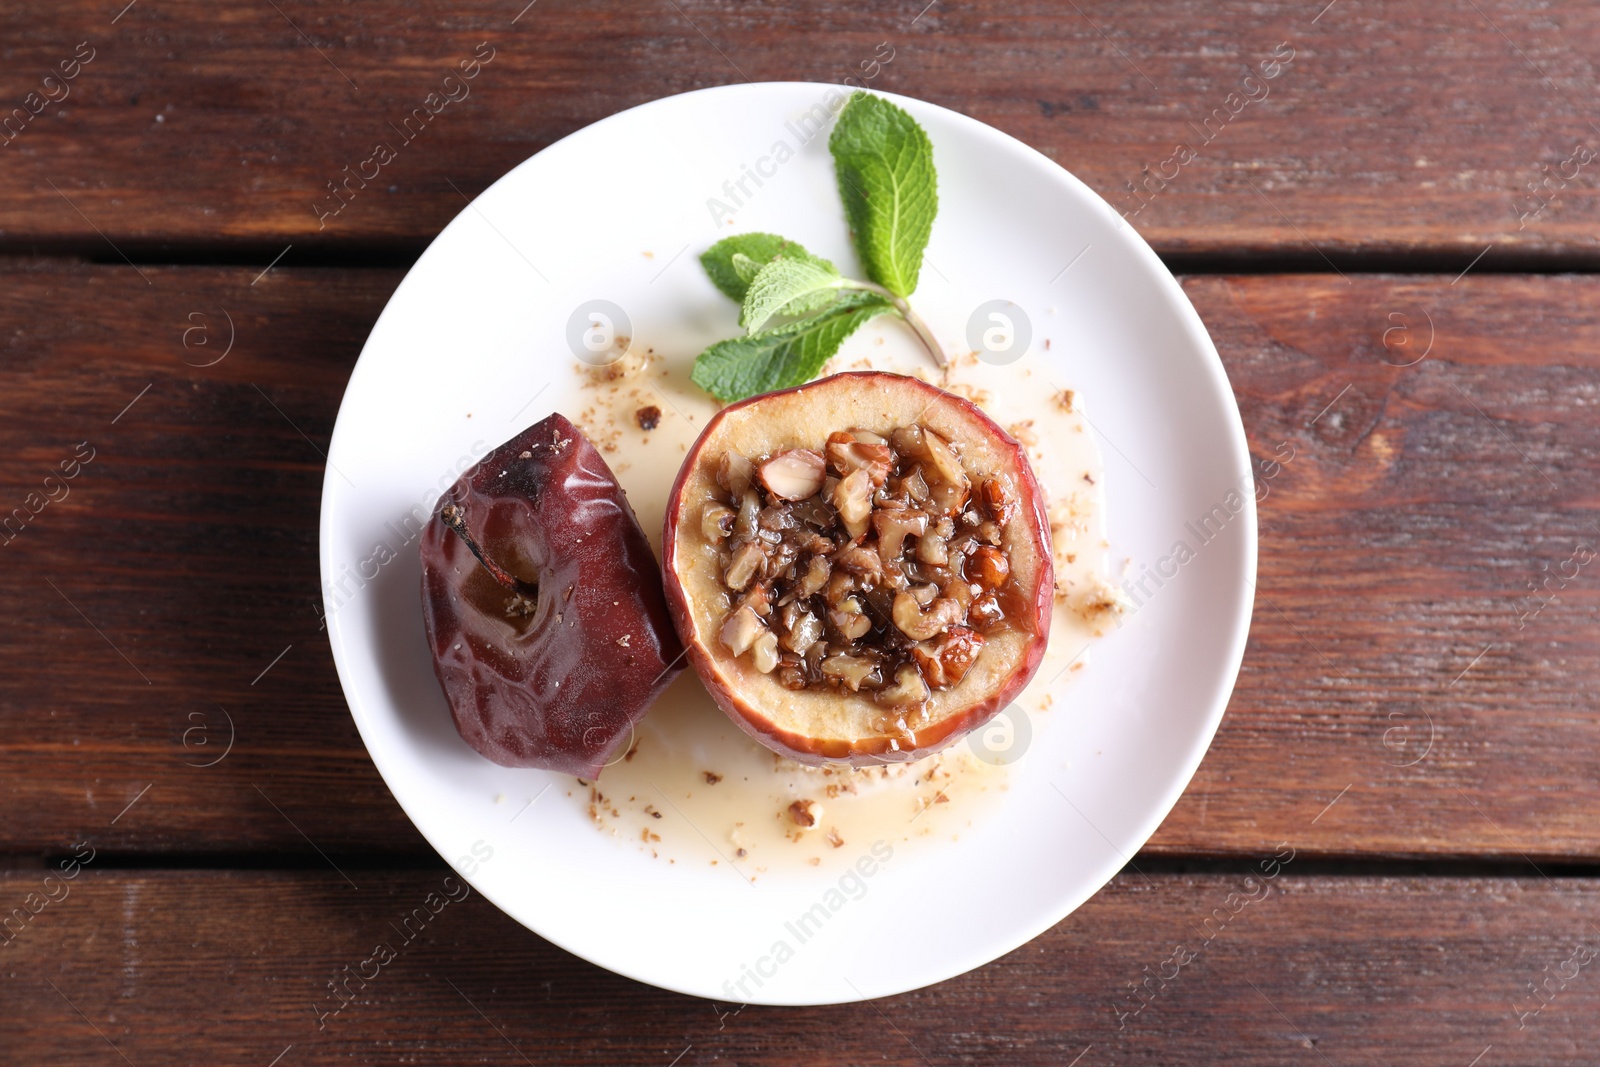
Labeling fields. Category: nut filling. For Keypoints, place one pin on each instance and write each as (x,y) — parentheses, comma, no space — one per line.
(875,564)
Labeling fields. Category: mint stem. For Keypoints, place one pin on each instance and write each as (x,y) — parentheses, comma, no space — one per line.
(909,315)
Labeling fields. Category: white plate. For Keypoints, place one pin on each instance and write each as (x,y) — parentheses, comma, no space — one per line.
(478,329)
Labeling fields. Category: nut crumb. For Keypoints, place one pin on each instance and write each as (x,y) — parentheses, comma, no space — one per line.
(1064,400)
(1023,431)
(648,417)
(712,778)
(805,813)
(1102,602)
(833,837)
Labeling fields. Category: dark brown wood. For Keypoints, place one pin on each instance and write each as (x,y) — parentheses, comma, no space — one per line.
(1401,128)
(233,967)
(1396,547)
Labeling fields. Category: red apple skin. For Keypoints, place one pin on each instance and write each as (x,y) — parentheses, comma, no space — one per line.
(875,750)
(566,693)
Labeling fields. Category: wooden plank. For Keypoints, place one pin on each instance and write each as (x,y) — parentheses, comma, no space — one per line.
(1404,128)
(1397,545)
(181,967)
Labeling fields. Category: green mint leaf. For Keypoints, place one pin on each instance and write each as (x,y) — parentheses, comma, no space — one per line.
(725,261)
(785,356)
(884,162)
(789,286)
(746,268)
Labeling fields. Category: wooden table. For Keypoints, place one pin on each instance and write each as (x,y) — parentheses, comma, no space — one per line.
(1416,714)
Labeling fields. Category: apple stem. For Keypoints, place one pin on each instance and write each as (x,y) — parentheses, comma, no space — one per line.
(909,316)
(455,520)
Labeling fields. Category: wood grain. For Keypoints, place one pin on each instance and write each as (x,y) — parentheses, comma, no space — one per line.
(1390,667)
(178,967)
(1406,128)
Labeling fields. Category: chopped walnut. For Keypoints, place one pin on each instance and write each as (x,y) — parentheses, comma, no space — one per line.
(870,564)
(648,417)
(805,813)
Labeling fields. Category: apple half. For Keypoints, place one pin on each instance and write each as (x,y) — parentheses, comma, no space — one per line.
(543,605)
(859,568)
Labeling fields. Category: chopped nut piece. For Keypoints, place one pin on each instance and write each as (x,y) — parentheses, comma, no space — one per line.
(852,625)
(804,632)
(945,465)
(951,485)
(764,652)
(815,578)
(712,778)
(985,612)
(743,566)
(741,630)
(805,813)
(853,497)
(919,626)
(648,417)
(999,499)
(734,473)
(853,671)
(847,453)
(946,661)
(908,688)
(859,559)
(894,527)
(989,567)
(794,475)
(716,521)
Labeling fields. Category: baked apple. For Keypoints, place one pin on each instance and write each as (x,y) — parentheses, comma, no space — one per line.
(860,567)
(543,605)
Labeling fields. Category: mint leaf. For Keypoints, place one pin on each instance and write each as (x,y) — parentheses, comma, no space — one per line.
(884,162)
(789,285)
(786,355)
(762,248)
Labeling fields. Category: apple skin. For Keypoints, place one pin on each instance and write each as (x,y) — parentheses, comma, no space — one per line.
(565,693)
(910,399)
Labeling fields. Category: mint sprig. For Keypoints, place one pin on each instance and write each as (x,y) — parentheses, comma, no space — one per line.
(797,308)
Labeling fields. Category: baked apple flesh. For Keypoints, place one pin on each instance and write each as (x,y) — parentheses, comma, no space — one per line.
(859,567)
(543,605)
